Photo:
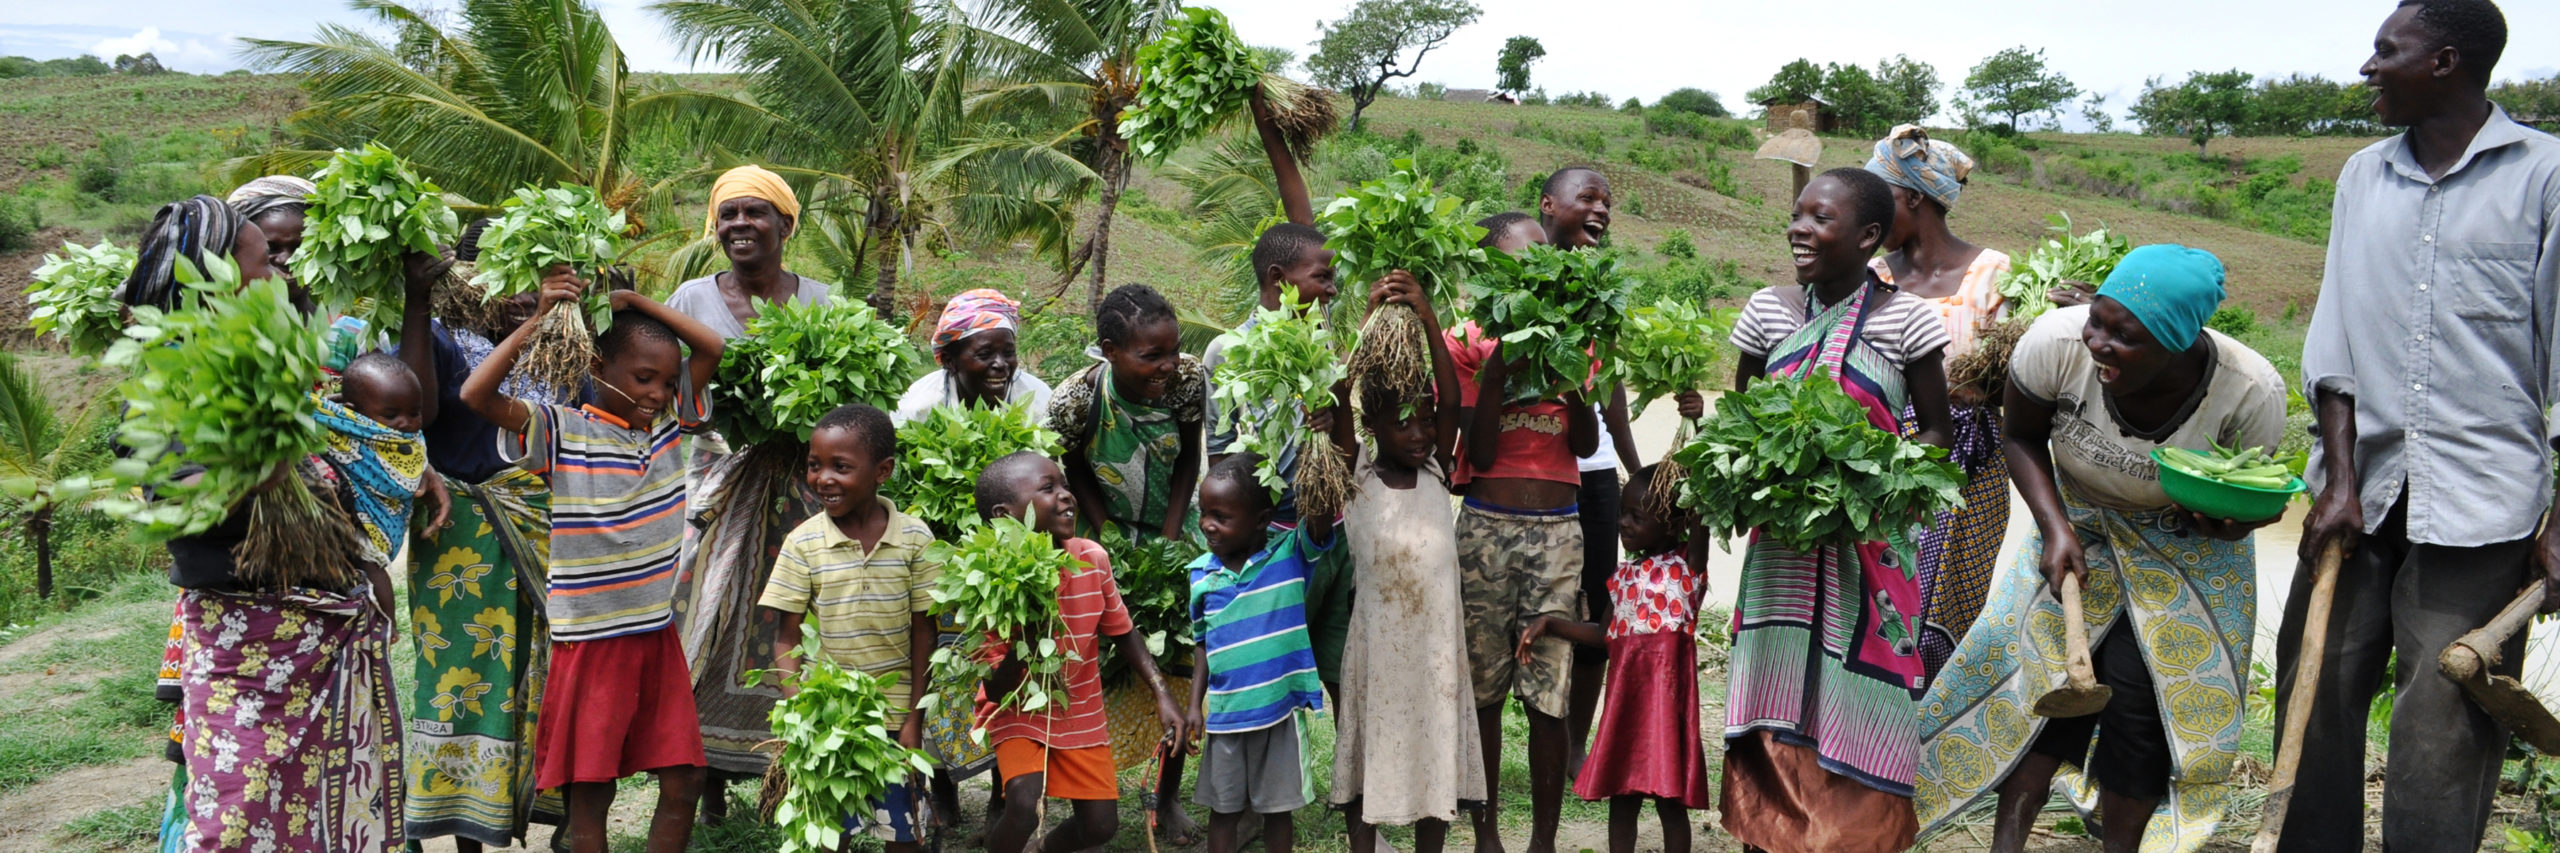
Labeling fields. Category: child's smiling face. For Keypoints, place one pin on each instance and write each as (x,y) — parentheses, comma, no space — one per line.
(1578,215)
(1235,516)
(1827,238)
(640,381)
(841,472)
(1406,438)
(1036,484)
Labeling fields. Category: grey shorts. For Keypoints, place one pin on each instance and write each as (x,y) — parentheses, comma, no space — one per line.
(1265,769)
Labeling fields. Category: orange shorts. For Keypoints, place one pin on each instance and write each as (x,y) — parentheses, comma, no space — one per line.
(1073,774)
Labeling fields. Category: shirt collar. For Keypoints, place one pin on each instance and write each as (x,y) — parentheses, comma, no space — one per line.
(832,536)
(2498,132)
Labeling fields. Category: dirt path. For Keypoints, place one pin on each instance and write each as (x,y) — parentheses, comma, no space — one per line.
(30,816)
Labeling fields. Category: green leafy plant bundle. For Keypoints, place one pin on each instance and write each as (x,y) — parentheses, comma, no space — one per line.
(1155,584)
(940,455)
(1401,222)
(1190,78)
(1797,460)
(838,753)
(1554,311)
(73,296)
(2062,259)
(535,230)
(1285,362)
(226,383)
(799,361)
(1670,348)
(367,208)
(1000,584)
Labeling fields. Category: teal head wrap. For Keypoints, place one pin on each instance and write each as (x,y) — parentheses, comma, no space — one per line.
(2172,289)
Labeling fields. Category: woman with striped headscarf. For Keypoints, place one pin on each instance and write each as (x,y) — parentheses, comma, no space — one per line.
(1961,282)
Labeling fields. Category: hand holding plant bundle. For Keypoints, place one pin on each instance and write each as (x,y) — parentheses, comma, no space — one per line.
(534,231)
(1286,363)
(74,296)
(940,455)
(1554,310)
(1664,350)
(1797,460)
(2064,262)
(800,361)
(1190,79)
(837,753)
(226,384)
(367,210)
(1400,222)
(1000,583)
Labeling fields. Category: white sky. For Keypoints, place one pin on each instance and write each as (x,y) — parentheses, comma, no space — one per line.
(1624,48)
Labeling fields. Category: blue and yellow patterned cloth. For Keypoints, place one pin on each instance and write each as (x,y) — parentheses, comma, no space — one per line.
(382,466)
(1909,159)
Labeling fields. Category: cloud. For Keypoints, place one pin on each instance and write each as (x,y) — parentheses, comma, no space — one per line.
(191,54)
(148,40)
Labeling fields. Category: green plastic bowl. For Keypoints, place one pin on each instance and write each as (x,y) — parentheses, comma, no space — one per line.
(2217,499)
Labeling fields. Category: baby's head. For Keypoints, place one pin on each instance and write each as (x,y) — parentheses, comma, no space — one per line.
(851,452)
(1235,509)
(1028,481)
(381,387)
(639,363)
(1293,256)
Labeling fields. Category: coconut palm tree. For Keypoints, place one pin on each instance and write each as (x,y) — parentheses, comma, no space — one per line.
(864,102)
(45,463)
(517,93)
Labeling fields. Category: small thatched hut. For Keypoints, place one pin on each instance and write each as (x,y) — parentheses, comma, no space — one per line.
(1783,115)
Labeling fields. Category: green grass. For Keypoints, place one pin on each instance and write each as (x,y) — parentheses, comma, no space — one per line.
(87,694)
(133,827)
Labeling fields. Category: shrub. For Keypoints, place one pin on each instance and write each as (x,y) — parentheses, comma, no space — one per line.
(1633,105)
(2232,320)
(1690,281)
(1594,100)
(1430,91)
(19,222)
(100,168)
(1695,102)
(1675,244)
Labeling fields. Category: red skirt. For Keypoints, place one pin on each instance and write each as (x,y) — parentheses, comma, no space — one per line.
(616,707)
(1647,740)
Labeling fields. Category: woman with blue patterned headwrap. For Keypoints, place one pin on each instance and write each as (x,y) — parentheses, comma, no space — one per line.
(2170,595)
(1962,282)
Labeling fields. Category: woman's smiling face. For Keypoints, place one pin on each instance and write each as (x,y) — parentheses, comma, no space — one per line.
(2129,359)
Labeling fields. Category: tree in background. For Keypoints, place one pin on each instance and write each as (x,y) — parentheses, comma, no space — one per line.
(144,64)
(1274,58)
(2095,113)
(1512,69)
(2308,105)
(2207,105)
(2013,83)
(1856,98)
(1360,53)
(2532,101)
(1795,83)
(44,461)
(1910,89)
(1694,101)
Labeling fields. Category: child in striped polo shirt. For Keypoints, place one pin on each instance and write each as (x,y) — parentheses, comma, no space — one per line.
(619,699)
(1249,613)
(859,569)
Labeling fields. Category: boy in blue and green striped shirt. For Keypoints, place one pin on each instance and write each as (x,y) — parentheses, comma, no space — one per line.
(1249,612)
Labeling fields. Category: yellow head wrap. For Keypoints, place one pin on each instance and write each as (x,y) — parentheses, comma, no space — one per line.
(749,182)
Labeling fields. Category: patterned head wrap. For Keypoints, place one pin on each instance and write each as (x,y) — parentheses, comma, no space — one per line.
(1909,159)
(271,193)
(195,229)
(749,182)
(2172,289)
(972,312)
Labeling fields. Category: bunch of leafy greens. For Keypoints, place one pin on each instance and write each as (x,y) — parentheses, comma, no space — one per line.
(1797,460)
(1000,584)
(2086,258)
(940,455)
(1554,310)
(535,230)
(1401,222)
(799,361)
(1282,364)
(1190,78)
(1155,583)
(368,207)
(225,382)
(74,296)
(838,752)
(1669,348)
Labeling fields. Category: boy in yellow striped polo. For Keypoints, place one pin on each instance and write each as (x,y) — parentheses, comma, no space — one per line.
(859,569)
(1249,611)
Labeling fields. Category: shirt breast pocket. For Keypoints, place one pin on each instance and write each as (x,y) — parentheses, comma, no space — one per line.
(2495,280)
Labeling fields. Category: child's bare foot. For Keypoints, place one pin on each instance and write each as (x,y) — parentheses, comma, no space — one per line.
(1176,828)
(1488,842)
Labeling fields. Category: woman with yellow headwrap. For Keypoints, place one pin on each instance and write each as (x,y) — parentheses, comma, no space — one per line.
(727,554)
(1961,281)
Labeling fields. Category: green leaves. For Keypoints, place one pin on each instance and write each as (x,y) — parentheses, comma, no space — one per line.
(1000,579)
(1190,78)
(1400,222)
(1548,305)
(1797,459)
(1155,584)
(838,751)
(1285,362)
(1669,348)
(73,296)
(535,229)
(2086,258)
(800,361)
(940,455)
(228,378)
(367,208)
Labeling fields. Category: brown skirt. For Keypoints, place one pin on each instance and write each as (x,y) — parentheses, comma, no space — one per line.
(1778,798)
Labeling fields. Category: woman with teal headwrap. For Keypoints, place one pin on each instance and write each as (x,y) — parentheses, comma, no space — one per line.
(1961,281)
(2170,595)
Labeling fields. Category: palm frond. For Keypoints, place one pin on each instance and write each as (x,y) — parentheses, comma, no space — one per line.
(30,432)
